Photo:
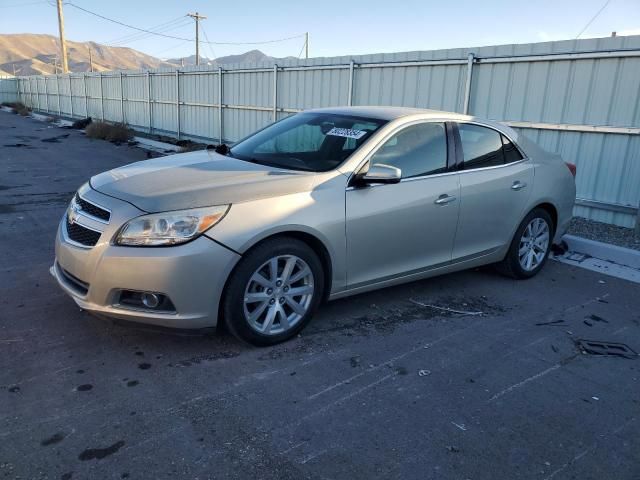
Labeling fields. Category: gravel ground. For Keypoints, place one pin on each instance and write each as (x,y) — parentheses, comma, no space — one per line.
(602,232)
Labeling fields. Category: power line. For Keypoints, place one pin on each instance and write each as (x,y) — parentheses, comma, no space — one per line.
(136,37)
(209,43)
(259,43)
(171,48)
(22,4)
(124,24)
(593,18)
(304,44)
(157,28)
(264,42)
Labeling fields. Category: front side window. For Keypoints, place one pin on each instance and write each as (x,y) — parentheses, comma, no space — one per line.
(315,142)
(416,150)
(481,146)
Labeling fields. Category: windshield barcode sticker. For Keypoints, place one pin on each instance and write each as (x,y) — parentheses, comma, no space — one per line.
(347,133)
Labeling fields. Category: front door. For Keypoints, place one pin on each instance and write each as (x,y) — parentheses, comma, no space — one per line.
(402,228)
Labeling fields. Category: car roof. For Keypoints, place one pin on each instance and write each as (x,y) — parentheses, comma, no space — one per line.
(393,113)
(381,113)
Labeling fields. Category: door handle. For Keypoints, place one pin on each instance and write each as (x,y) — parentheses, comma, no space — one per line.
(445,199)
(518,185)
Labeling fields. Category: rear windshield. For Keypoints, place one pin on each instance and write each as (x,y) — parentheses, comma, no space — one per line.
(315,142)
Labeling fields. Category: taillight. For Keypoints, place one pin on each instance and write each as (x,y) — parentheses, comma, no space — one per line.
(572,168)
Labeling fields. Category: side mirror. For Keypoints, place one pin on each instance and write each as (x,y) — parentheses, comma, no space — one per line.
(380,173)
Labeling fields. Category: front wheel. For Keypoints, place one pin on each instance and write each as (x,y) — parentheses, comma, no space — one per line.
(530,246)
(273,292)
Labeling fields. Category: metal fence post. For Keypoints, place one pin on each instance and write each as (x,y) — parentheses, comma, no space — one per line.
(220,105)
(46,92)
(638,222)
(149,100)
(70,96)
(101,99)
(178,102)
(121,98)
(86,95)
(467,88)
(351,72)
(275,92)
(38,94)
(58,93)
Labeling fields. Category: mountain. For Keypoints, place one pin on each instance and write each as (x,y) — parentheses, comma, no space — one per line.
(252,56)
(32,54)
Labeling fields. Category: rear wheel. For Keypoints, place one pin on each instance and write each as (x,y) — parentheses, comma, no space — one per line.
(530,246)
(274,292)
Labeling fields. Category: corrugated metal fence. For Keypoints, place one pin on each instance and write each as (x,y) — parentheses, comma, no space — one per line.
(579,98)
(8,89)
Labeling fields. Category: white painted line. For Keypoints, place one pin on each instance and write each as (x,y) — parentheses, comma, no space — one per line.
(524,382)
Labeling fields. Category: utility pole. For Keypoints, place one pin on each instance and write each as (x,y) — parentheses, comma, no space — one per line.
(14,69)
(197,18)
(90,60)
(306,45)
(63,46)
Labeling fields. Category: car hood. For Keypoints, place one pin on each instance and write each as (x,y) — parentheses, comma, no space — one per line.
(197,179)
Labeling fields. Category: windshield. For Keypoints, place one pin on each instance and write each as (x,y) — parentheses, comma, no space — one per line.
(315,142)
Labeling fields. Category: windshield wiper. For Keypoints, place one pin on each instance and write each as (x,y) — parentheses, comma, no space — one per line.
(222,149)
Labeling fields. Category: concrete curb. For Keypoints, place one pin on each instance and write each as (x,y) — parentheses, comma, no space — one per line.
(156,146)
(604,251)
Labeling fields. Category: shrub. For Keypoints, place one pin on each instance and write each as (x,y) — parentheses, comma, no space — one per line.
(118,133)
(18,107)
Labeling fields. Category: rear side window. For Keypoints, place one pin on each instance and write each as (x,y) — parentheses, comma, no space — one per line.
(511,153)
(481,146)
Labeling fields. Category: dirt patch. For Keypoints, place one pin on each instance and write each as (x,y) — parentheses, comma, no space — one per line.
(204,358)
(100,453)
(55,139)
(385,319)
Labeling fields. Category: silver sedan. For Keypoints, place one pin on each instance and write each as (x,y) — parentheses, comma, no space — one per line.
(320,205)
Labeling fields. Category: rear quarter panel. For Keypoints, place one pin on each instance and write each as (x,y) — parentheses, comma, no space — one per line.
(553,184)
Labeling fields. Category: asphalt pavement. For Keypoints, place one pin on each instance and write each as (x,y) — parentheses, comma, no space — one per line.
(465,376)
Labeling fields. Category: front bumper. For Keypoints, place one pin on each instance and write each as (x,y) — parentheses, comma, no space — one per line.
(191,275)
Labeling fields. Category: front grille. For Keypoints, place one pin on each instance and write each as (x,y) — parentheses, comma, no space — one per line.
(91,209)
(74,282)
(82,235)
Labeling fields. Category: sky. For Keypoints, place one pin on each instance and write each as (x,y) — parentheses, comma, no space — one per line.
(335,27)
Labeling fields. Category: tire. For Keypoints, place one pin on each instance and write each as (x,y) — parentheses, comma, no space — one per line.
(519,267)
(251,287)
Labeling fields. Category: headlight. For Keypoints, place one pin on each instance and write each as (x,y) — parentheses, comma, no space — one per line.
(169,228)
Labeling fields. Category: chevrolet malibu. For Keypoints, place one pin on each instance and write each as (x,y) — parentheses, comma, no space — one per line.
(320,205)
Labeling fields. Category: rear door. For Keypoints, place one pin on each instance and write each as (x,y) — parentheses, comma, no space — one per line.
(402,228)
(495,184)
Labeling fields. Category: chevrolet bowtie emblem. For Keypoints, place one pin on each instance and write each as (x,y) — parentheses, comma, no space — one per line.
(74,211)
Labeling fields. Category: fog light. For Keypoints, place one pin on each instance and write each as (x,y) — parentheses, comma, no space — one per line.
(145,300)
(150,300)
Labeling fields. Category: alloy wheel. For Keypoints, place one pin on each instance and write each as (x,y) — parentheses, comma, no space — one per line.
(534,244)
(278,295)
